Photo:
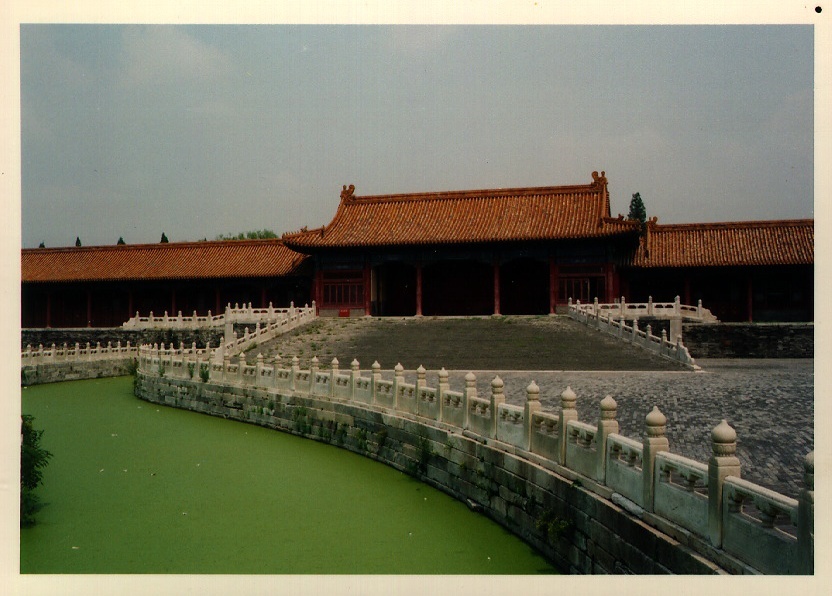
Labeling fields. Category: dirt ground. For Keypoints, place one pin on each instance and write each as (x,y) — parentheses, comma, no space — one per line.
(475,343)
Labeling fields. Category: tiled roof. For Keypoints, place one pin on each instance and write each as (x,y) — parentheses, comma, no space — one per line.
(784,242)
(181,260)
(455,217)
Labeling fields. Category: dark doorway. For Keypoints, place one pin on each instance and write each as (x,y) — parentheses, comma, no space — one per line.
(524,287)
(396,295)
(460,288)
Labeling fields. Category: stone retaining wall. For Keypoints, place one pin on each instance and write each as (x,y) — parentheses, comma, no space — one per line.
(750,340)
(73,371)
(580,530)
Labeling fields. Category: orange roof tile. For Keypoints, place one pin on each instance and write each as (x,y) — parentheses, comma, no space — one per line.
(181,260)
(454,217)
(783,242)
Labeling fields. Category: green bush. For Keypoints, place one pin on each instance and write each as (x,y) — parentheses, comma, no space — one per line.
(33,458)
(204,372)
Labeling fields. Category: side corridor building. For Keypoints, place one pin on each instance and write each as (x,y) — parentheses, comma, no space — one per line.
(483,252)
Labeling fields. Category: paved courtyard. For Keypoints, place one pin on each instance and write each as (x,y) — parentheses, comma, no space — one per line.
(770,403)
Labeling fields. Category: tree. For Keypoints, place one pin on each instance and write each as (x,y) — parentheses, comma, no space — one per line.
(77,241)
(164,238)
(121,240)
(251,235)
(33,458)
(637,210)
(41,245)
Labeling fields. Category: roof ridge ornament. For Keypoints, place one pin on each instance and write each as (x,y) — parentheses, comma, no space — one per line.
(599,180)
(347,193)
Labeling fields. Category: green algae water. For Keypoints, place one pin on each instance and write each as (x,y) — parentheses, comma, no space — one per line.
(134,487)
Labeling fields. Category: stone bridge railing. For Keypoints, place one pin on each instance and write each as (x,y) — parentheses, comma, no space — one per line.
(707,505)
(76,353)
(649,309)
(604,320)
(236,314)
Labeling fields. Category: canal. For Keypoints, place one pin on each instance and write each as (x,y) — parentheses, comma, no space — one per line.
(134,487)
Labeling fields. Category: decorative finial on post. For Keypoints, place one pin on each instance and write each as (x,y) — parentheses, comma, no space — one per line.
(723,463)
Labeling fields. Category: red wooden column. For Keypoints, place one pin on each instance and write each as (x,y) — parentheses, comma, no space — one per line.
(496,288)
(367,288)
(553,286)
(610,290)
(418,289)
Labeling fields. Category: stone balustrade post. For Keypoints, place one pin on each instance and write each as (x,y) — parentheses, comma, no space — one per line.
(655,441)
(295,367)
(442,386)
(333,372)
(595,305)
(622,307)
(699,309)
(420,378)
(179,322)
(723,463)
(271,311)
(607,425)
(469,392)
(806,518)
(313,372)
(241,365)
(229,325)
(567,413)
(89,351)
(398,379)
(355,373)
(376,375)
(497,397)
(635,330)
(197,364)
(226,361)
(532,406)
(649,306)
(259,377)
(291,309)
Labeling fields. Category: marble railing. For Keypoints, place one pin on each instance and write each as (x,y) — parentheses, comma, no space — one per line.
(708,504)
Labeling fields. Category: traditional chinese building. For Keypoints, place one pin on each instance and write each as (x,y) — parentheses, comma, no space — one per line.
(103,286)
(483,252)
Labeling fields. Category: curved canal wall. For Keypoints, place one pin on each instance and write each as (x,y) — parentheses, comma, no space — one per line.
(590,499)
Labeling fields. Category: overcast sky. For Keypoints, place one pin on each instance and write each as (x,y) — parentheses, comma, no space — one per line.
(197,131)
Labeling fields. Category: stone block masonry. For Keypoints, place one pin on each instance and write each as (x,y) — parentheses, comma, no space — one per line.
(590,499)
(750,340)
(73,371)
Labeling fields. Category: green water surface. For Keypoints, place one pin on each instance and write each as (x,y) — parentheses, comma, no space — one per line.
(134,487)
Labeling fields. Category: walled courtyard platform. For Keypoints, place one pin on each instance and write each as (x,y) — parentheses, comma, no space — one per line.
(769,402)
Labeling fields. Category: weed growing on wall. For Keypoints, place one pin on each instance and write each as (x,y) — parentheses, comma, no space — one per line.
(191,367)
(204,372)
(552,526)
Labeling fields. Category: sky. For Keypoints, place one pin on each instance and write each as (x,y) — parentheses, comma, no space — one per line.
(195,131)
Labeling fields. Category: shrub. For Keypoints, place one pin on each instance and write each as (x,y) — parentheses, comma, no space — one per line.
(204,372)
(33,458)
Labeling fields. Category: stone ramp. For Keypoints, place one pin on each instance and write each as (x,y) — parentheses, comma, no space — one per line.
(476,343)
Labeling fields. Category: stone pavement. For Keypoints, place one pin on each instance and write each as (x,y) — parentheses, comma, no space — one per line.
(770,403)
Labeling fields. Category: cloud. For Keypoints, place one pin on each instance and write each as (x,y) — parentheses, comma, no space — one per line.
(168,55)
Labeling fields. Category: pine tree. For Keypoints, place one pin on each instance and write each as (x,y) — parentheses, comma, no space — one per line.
(164,238)
(121,240)
(77,241)
(637,209)
(41,245)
